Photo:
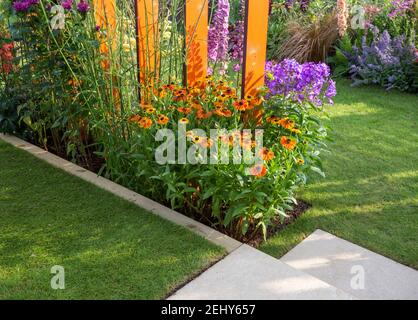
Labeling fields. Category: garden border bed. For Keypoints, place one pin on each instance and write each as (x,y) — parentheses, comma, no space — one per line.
(210,234)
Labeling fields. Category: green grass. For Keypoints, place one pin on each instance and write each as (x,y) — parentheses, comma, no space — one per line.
(110,248)
(370,194)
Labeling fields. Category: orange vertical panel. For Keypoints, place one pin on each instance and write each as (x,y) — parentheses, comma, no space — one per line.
(105,16)
(196,12)
(104,13)
(257,13)
(147,39)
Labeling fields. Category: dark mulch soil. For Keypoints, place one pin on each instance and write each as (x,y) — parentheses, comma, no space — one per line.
(253,238)
(279,225)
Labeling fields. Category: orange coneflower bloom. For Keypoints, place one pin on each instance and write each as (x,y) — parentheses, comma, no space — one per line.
(287,123)
(241,105)
(162,119)
(206,142)
(145,123)
(230,92)
(150,110)
(267,154)
(258,170)
(227,139)
(184,110)
(300,162)
(196,106)
(223,112)
(196,139)
(134,118)
(271,118)
(201,114)
(296,130)
(288,143)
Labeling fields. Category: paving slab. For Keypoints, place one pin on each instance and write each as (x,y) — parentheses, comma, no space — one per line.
(358,271)
(249,274)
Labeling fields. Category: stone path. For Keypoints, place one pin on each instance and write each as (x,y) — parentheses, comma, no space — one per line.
(320,267)
(355,270)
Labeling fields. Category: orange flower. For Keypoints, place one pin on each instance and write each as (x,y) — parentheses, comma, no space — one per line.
(206,142)
(201,114)
(134,118)
(150,110)
(288,143)
(230,92)
(287,123)
(196,106)
(275,121)
(267,154)
(271,119)
(300,162)
(162,119)
(145,106)
(222,97)
(184,110)
(145,123)
(258,170)
(241,105)
(223,112)
(295,130)
(226,139)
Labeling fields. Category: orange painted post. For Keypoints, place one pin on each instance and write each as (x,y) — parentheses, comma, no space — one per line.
(196,13)
(255,45)
(105,16)
(147,44)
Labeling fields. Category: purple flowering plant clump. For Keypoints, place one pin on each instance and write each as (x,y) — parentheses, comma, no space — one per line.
(401,7)
(386,61)
(308,82)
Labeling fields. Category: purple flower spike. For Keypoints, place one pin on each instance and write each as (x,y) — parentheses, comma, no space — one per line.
(219,33)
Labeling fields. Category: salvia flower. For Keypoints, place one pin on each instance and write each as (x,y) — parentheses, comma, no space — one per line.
(385,61)
(401,7)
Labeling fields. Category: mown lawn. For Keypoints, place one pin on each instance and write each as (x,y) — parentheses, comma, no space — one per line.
(109,248)
(370,194)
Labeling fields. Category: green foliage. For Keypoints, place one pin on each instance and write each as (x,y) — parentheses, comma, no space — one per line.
(340,62)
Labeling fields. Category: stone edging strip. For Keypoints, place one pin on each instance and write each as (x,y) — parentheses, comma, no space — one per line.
(206,232)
